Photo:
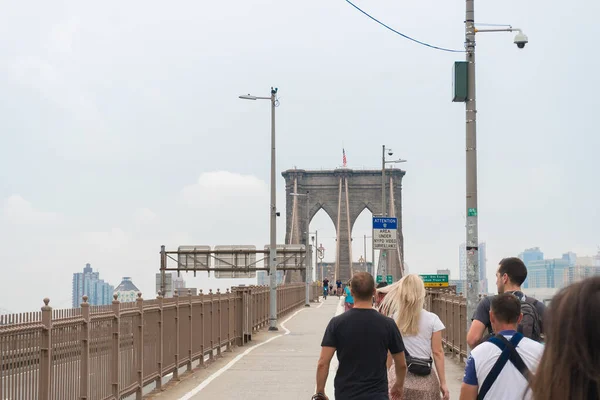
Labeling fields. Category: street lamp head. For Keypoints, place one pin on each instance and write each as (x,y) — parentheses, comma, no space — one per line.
(521,40)
(390,152)
(248,97)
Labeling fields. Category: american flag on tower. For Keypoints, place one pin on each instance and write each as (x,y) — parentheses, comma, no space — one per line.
(344,157)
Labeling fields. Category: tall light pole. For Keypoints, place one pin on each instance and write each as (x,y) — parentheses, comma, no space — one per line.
(320,256)
(383,199)
(273,210)
(472,226)
(307,258)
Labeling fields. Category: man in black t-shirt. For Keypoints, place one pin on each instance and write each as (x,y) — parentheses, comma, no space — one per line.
(510,276)
(362,338)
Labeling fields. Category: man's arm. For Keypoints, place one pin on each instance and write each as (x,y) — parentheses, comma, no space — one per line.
(323,367)
(400,368)
(470,386)
(475,333)
(468,392)
(481,319)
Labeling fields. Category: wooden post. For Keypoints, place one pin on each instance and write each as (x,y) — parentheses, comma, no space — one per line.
(140,347)
(84,378)
(116,354)
(160,301)
(46,352)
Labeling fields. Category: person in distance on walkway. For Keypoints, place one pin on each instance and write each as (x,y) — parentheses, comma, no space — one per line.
(363,339)
(349,299)
(500,368)
(510,276)
(570,365)
(422,335)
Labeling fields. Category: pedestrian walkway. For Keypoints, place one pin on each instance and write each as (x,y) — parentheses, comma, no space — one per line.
(275,365)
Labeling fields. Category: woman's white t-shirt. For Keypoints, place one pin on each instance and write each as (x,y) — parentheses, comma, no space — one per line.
(419,345)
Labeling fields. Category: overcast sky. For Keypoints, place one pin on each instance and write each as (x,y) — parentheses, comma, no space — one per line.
(122,129)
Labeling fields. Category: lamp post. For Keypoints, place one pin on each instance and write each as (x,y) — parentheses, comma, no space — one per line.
(307,258)
(383,202)
(472,243)
(273,211)
(320,256)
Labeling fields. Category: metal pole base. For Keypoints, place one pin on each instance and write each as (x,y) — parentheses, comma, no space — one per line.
(273,329)
(307,305)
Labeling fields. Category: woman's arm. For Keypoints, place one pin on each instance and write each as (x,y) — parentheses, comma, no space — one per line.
(439,359)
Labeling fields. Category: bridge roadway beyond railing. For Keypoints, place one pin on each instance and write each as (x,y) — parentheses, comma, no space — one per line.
(123,347)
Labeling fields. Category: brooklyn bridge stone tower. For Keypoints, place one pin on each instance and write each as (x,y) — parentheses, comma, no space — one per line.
(343,194)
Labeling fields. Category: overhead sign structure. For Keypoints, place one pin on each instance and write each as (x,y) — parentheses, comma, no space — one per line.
(385,233)
(289,255)
(435,280)
(236,259)
(187,259)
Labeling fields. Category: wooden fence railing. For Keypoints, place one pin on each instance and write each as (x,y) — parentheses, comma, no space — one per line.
(108,352)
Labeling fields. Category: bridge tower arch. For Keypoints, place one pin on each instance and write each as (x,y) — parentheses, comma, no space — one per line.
(343,194)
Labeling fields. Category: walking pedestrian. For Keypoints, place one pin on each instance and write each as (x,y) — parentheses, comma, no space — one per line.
(363,340)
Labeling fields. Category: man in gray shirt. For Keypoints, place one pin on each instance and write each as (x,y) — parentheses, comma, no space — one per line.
(510,276)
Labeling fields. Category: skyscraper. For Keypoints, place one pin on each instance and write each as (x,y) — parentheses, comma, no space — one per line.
(88,283)
(529,256)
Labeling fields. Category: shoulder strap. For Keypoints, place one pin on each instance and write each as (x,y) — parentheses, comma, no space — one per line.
(507,349)
(515,358)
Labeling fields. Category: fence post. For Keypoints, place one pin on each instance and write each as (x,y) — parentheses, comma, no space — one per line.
(176,372)
(202,330)
(229,320)
(45,352)
(220,322)
(212,322)
(84,388)
(191,331)
(140,349)
(116,339)
(159,300)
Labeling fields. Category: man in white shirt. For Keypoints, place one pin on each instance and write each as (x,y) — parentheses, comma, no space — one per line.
(493,371)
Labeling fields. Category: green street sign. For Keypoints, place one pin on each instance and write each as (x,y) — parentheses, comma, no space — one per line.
(389,279)
(435,280)
(379,278)
(472,212)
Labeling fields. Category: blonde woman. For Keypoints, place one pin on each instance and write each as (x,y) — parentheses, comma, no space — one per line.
(422,334)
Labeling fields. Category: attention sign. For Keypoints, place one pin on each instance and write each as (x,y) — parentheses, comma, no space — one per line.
(384,233)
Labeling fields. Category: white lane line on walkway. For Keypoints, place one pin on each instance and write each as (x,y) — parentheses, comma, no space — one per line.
(231,363)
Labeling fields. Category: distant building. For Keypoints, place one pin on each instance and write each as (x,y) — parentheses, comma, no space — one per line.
(126,291)
(529,256)
(460,285)
(444,272)
(172,282)
(88,283)
(547,273)
(263,278)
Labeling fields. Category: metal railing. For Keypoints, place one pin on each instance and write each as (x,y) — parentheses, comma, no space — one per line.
(109,352)
(452,310)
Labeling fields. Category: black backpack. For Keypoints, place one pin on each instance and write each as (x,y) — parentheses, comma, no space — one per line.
(530,325)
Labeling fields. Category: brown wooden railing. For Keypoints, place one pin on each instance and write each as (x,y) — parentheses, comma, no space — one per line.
(452,310)
(108,352)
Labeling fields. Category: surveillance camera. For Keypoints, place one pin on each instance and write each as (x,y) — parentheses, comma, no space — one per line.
(390,152)
(521,40)
(278,214)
